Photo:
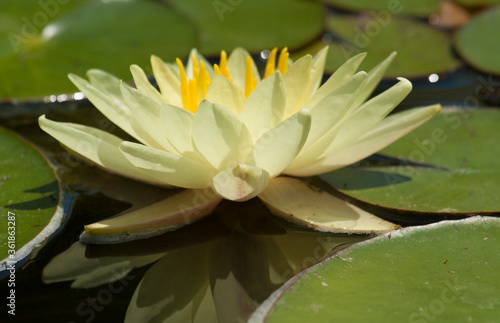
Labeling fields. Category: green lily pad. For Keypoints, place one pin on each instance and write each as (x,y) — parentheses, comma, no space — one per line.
(28,197)
(254,25)
(444,272)
(479,51)
(421,8)
(42,41)
(40,45)
(448,165)
(421,49)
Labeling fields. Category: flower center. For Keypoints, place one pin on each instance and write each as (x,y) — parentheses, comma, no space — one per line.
(193,91)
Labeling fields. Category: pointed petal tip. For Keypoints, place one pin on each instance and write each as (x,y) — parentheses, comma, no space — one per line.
(75,78)
(433,109)
(125,145)
(361,74)
(135,67)
(405,82)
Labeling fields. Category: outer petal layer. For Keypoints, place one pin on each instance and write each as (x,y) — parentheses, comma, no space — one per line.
(303,204)
(220,136)
(383,134)
(276,149)
(95,145)
(265,107)
(224,92)
(167,215)
(112,105)
(296,80)
(168,168)
(341,75)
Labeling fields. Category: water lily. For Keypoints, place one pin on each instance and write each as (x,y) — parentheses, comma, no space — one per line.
(225,132)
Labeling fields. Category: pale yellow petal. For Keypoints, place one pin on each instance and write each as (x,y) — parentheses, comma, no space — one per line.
(305,205)
(96,146)
(295,80)
(220,136)
(383,134)
(342,74)
(176,125)
(240,182)
(166,215)
(265,107)
(374,77)
(146,112)
(368,115)
(317,68)
(222,91)
(105,82)
(327,114)
(168,81)
(331,109)
(167,167)
(113,107)
(279,146)
(236,63)
(189,66)
(142,83)
(351,127)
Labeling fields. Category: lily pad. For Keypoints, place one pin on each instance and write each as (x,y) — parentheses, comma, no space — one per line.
(254,25)
(448,165)
(42,41)
(421,8)
(28,197)
(421,49)
(480,52)
(41,44)
(441,272)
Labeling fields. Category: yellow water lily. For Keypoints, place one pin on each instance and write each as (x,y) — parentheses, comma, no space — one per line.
(225,132)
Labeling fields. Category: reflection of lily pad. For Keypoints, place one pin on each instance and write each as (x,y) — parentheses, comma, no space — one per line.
(421,49)
(474,45)
(28,194)
(418,8)
(443,272)
(461,171)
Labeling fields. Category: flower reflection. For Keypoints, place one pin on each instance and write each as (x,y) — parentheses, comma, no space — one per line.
(221,270)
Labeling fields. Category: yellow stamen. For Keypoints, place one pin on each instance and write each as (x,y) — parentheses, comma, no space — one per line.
(193,98)
(271,62)
(193,91)
(195,66)
(203,82)
(184,85)
(189,96)
(217,70)
(250,80)
(223,64)
(283,61)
